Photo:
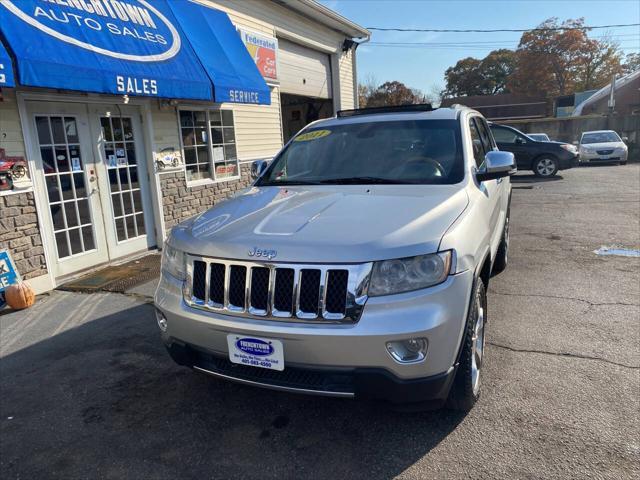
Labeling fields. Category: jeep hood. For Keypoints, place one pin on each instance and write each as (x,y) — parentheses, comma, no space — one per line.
(325,224)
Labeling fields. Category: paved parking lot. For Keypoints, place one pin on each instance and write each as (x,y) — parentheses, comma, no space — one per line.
(87,391)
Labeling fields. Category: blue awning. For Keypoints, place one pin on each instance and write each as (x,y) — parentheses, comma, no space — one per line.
(225,58)
(134,47)
(6,70)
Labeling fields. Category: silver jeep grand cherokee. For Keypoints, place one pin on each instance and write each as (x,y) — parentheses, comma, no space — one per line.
(356,265)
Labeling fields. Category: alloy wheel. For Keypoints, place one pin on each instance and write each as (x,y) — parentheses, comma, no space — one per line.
(546,167)
(477,346)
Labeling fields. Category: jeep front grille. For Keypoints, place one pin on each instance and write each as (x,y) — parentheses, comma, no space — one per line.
(289,292)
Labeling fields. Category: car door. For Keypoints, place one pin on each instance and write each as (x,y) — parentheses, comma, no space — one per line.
(510,140)
(491,189)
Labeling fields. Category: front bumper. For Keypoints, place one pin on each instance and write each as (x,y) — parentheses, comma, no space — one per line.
(594,157)
(568,160)
(355,354)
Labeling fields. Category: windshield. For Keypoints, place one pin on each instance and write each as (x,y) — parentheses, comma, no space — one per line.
(600,137)
(391,152)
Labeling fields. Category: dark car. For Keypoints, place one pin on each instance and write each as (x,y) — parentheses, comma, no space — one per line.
(544,158)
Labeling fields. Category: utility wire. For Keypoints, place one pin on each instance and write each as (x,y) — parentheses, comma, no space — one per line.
(543,29)
(618,37)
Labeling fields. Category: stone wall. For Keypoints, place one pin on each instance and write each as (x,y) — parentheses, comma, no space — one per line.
(181,202)
(19,233)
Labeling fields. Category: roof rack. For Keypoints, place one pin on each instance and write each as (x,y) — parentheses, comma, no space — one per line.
(422,107)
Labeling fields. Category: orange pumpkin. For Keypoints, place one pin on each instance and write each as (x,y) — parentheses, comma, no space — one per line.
(20,296)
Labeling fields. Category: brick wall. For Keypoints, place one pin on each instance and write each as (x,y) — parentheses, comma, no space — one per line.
(181,202)
(19,234)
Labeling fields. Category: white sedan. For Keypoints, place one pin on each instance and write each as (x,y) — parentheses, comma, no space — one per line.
(602,146)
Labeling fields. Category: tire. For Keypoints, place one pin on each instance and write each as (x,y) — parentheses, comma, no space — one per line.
(465,390)
(623,163)
(502,256)
(545,167)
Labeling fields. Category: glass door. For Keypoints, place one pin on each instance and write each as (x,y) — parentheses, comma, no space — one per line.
(62,147)
(123,182)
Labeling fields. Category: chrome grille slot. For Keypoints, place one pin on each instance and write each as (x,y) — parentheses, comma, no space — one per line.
(285,292)
(259,290)
(336,291)
(237,287)
(309,292)
(216,284)
(199,280)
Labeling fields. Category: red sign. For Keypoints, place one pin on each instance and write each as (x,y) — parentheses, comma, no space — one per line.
(264,51)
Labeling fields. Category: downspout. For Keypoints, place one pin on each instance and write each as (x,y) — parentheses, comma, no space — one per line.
(354,67)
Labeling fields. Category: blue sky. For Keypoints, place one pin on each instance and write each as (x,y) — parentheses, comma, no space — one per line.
(423,67)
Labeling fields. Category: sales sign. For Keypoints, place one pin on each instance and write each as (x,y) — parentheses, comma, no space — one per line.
(8,273)
(264,51)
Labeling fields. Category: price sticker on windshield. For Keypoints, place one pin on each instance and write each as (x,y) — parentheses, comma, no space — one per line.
(305,137)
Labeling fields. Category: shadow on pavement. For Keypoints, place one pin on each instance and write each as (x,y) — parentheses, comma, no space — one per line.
(105,400)
(531,178)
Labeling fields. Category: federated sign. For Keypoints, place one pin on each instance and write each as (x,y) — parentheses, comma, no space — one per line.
(264,51)
(8,273)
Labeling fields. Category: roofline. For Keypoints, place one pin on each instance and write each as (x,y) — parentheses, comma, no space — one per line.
(328,17)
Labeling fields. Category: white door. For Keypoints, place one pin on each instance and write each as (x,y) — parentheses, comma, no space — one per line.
(91,174)
(67,179)
(303,71)
(122,179)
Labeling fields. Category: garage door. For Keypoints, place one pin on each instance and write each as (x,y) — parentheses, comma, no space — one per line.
(303,71)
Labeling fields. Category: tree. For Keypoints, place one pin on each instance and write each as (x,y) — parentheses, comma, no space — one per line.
(558,59)
(495,70)
(631,63)
(464,78)
(471,76)
(390,93)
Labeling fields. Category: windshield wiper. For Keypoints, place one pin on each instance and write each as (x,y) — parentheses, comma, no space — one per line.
(362,181)
(287,183)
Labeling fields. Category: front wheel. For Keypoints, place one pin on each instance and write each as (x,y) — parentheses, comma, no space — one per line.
(545,167)
(465,390)
(623,163)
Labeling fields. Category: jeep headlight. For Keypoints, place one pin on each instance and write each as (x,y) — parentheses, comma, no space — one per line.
(173,261)
(569,148)
(407,274)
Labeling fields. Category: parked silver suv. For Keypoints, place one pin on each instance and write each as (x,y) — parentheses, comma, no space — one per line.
(356,265)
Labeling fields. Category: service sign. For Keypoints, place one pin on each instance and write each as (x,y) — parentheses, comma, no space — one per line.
(8,273)
(264,51)
(131,47)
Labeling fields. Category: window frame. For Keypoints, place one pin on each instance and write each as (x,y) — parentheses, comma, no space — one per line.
(212,164)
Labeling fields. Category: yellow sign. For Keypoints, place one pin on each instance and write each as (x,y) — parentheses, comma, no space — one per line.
(305,137)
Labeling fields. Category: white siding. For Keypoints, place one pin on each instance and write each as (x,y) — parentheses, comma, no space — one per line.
(303,71)
(346,80)
(258,128)
(10,129)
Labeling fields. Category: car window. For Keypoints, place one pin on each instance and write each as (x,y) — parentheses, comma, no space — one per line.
(600,137)
(407,151)
(503,135)
(476,140)
(485,136)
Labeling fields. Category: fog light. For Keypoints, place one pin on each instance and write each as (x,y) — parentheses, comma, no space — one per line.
(411,350)
(162,321)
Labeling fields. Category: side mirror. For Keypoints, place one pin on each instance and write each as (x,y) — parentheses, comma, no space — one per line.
(497,164)
(520,141)
(576,143)
(257,168)
(625,139)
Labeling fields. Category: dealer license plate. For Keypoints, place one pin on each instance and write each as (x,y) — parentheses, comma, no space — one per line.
(256,352)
